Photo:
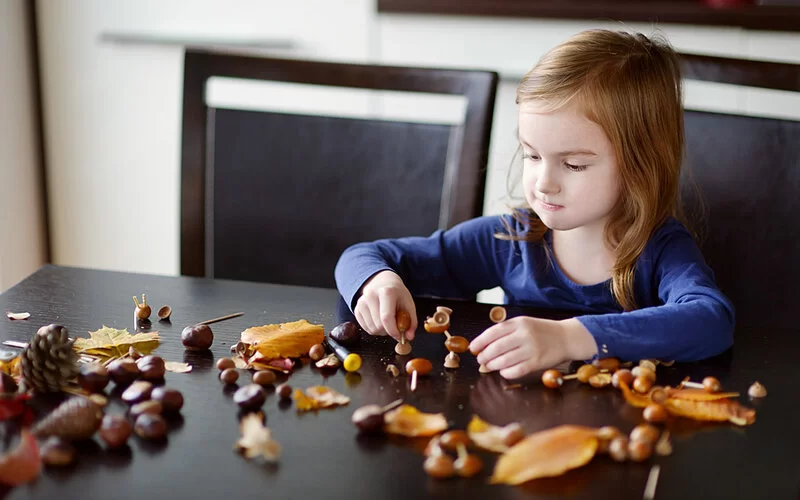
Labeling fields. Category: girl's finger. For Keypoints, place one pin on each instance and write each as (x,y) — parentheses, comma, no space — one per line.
(497,348)
(411,309)
(518,370)
(490,335)
(364,317)
(388,314)
(506,360)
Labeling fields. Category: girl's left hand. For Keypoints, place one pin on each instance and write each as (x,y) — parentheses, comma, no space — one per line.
(521,345)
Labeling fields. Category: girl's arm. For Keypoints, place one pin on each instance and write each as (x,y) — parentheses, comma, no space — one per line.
(695,320)
(457,263)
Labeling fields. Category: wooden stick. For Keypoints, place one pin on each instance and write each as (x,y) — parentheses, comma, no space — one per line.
(221,318)
(447,334)
(652,482)
(14,343)
(414,381)
(391,406)
(571,376)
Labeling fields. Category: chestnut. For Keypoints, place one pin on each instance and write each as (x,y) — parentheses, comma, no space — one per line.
(150,427)
(229,376)
(316,352)
(149,406)
(93,377)
(225,363)
(137,392)
(151,367)
(197,337)
(57,452)
(123,371)
(264,377)
(284,391)
(250,397)
(171,400)
(115,430)
(346,333)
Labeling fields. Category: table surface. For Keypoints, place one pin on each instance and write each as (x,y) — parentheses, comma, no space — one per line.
(323,454)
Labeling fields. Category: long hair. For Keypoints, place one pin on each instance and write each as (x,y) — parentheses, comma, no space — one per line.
(630,86)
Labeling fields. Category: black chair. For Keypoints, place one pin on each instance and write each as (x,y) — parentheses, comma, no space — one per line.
(748,173)
(276,197)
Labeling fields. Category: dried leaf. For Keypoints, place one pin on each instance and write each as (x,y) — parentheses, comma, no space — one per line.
(18,316)
(108,343)
(329,361)
(257,439)
(22,464)
(715,411)
(176,367)
(284,340)
(493,437)
(547,453)
(12,367)
(406,420)
(700,394)
(317,397)
(258,362)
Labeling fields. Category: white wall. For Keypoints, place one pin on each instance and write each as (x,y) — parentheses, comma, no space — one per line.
(113,111)
(22,236)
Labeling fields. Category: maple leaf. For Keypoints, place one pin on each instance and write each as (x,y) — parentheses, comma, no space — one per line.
(257,439)
(176,367)
(111,343)
(318,396)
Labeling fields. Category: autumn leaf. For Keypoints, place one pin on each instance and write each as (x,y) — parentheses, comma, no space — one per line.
(176,367)
(284,340)
(406,420)
(257,439)
(493,437)
(714,411)
(547,453)
(317,397)
(108,343)
(699,394)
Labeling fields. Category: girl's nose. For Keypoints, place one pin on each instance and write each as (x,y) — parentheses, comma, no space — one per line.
(547,183)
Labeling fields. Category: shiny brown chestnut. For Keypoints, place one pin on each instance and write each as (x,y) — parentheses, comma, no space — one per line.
(57,452)
(197,337)
(346,333)
(171,400)
(151,367)
(150,427)
(115,430)
(137,392)
(93,377)
(250,397)
(123,371)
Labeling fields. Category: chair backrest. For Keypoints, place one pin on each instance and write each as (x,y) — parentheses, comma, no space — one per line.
(276,196)
(748,172)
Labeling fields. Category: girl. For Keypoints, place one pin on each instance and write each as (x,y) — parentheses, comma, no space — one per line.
(601,131)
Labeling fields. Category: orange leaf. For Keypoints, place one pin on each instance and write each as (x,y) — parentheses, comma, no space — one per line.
(547,453)
(493,437)
(699,394)
(23,463)
(406,420)
(717,411)
(284,340)
(633,399)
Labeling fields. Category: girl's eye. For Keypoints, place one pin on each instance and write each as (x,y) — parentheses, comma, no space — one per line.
(530,156)
(575,168)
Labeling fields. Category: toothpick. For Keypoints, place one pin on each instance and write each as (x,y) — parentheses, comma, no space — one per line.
(14,343)
(221,318)
(414,381)
(447,334)
(652,482)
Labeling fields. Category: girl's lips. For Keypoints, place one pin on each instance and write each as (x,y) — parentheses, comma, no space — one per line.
(549,206)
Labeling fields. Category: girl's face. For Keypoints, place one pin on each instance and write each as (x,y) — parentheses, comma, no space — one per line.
(570,171)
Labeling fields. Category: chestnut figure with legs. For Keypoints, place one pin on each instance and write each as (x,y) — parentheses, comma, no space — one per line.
(600,125)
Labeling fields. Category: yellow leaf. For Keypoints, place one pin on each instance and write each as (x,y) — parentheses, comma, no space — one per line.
(284,340)
(111,343)
(257,439)
(493,437)
(317,397)
(714,411)
(547,453)
(700,394)
(409,421)
(176,367)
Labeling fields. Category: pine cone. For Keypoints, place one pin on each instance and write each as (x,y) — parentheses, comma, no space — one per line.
(75,419)
(49,362)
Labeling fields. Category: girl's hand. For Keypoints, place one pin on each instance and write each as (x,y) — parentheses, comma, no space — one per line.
(522,345)
(381,297)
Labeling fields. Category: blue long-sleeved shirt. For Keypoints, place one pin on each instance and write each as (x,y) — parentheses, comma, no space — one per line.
(681,314)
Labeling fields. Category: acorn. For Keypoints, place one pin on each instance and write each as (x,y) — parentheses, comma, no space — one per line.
(142,310)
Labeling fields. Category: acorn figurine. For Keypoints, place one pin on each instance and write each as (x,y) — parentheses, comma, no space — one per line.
(142,310)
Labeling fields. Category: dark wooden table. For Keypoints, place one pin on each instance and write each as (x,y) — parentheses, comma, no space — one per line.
(324,456)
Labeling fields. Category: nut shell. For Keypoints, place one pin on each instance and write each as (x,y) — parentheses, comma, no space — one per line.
(757,390)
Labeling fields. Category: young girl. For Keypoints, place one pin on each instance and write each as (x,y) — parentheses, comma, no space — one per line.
(601,130)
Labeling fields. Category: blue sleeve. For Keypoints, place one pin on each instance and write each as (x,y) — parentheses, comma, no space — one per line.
(693,321)
(457,263)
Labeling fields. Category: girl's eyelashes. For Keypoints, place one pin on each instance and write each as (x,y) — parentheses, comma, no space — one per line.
(529,156)
(575,168)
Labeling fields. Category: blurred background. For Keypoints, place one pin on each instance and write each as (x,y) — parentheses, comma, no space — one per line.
(91,97)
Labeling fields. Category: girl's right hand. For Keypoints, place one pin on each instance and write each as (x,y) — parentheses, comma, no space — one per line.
(381,297)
